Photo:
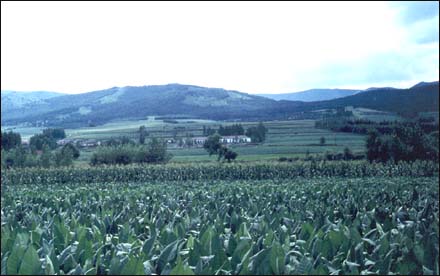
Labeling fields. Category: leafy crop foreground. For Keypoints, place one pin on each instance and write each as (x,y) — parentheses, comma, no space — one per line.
(375,225)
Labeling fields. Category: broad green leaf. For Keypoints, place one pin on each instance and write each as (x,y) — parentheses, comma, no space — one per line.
(306,231)
(148,245)
(190,242)
(134,266)
(243,232)
(219,259)
(76,271)
(370,242)
(206,241)
(181,269)
(69,263)
(277,256)
(168,254)
(30,264)
(336,238)
(49,269)
(243,266)
(16,257)
(269,238)
(116,265)
(260,262)
(4,264)
(240,251)
(418,251)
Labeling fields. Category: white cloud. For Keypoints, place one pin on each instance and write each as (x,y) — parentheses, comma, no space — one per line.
(261,47)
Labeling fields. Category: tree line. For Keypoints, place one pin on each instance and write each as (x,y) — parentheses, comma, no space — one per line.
(126,153)
(39,153)
(404,144)
(256,133)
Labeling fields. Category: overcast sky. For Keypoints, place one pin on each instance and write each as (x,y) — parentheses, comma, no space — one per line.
(262,47)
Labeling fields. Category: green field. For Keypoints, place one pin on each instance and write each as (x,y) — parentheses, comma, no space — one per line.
(156,128)
(375,225)
(293,138)
(375,115)
(284,139)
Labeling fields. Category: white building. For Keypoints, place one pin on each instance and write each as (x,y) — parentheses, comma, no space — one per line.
(199,140)
(235,139)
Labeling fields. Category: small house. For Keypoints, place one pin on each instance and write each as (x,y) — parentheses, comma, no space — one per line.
(235,139)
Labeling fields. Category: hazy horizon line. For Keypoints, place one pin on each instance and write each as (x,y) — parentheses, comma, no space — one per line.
(209,87)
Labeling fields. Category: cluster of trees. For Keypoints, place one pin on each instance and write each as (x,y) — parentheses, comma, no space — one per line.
(55,133)
(392,140)
(213,146)
(123,140)
(208,131)
(236,129)
(155,152)
(363,126)
(48,138)
(347,154)
(10,140)
(258,133)
(15,155)
(405,144)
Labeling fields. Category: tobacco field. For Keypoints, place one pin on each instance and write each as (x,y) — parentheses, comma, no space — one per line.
(322,225)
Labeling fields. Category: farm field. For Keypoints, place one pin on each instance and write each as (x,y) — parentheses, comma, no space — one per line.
(287,139)
(293,138)
(372,225)
(284,139)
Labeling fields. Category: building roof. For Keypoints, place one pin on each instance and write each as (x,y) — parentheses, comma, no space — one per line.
(236,136)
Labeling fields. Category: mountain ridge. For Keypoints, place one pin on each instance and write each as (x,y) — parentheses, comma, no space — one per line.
(135,102)
(310,95)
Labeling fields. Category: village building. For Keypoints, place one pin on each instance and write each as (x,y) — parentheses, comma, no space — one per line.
(63,142)
(235,139)
(199,140)
(89,143)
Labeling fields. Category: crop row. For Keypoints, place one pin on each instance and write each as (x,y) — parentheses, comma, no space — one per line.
(238,171)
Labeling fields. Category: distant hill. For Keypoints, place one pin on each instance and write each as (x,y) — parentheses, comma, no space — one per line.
(407,102)
(137,102)
(312,95)
(132,102)
(421,84)
(16,99)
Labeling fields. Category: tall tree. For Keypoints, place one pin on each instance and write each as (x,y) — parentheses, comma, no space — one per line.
(212,145)
(373,145)
(75,152)
(45,157)
(55,133)
(258,133)
(142,134)
(10,140)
